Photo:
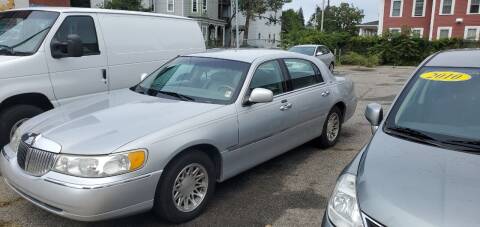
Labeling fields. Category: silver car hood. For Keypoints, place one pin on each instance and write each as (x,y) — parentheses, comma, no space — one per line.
(103,123)
(402,183)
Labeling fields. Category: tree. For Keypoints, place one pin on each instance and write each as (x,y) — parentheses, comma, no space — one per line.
(301,17)
(253,9)
(133,5)
(342,18)
(291,21)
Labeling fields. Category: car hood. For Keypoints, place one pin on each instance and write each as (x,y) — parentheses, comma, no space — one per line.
(14,66)
(402,183)
(103,123)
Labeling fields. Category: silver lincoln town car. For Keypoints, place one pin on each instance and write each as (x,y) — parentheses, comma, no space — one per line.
(163,144)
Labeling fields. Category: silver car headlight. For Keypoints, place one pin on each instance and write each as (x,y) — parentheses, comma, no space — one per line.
(101,166)
(343,210)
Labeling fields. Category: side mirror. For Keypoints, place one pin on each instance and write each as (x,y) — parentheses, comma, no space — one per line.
(374,115)
(143,76)
(73,47)
(319,54)
(260,95)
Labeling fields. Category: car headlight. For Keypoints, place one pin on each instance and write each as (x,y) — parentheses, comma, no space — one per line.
(15,140)
(343,210)
(101,166)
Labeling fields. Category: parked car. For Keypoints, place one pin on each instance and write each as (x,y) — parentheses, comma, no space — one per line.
(421,166)
(319,51)
(53,56)
(165,142)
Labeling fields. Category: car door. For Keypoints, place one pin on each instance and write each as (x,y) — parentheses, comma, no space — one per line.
(261,124)
(76,77)
(311,98)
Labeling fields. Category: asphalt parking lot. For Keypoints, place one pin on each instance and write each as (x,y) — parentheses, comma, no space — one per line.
(290,190)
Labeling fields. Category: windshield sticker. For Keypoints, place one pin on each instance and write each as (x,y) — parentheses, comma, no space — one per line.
(446,76)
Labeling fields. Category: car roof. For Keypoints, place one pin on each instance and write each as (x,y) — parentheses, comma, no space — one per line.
(456,58)
(248,55)
(97,10)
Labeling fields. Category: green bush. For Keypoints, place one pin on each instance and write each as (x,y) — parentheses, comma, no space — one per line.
(353,58)
(389,49)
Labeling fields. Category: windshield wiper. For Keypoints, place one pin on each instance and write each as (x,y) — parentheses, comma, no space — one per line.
(472,144)
(8,49)
(412,133)
(177,95)
(31,37)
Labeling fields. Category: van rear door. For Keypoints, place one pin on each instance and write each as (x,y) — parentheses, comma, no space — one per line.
(75,77)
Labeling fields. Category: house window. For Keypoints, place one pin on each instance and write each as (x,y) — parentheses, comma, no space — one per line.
(472,33)
(170,6)
(417,32)
(259,36)
(447,7)
(419,8)
(395,31)
(204,5)
(194,6)
(396,10)
(474,6)
(444,33)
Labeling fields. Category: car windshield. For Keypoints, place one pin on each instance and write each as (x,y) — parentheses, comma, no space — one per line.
(441,104)
(197,79)
(22,32)
(303,50)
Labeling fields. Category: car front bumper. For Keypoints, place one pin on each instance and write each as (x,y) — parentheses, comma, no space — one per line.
(83,200)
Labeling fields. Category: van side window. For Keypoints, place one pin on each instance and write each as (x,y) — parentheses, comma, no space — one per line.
(82,26)
(303,73)
(269,76)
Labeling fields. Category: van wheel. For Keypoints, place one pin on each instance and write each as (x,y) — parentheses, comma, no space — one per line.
(12,117)
(185,187)
(331,129)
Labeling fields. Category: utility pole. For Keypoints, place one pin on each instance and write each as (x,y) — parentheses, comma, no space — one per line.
(323,15)
(237,32)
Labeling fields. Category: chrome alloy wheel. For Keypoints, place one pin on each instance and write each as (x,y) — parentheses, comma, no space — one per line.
(190,187)
(333,127)
(16,125)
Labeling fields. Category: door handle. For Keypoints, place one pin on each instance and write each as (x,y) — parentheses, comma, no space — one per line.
(104,76)
(286,107)
(325,93)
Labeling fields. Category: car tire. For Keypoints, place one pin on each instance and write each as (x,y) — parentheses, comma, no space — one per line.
(331,67)
(13,117)
(331,129)
(165,204)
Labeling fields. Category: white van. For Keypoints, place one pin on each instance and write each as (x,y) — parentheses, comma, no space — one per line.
(53,56)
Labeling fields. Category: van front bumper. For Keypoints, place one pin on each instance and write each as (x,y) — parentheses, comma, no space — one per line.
(89,201)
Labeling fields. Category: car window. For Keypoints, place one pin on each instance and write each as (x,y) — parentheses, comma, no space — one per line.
(442,102)
(82,26)
(325,50)
(269,76)
(197,79)
(303,73)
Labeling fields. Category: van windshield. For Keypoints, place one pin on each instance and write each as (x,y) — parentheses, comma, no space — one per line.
(22,32)
(197,79)
(440,104)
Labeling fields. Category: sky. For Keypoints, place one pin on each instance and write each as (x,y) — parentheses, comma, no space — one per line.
(369,7)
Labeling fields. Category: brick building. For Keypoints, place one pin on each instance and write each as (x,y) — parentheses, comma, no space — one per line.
(432,19)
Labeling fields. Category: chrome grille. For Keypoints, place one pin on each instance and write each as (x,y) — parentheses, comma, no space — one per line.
(34,161)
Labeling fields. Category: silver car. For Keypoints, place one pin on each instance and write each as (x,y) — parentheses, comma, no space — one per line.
(163,144)
(319,51)
(422,166)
